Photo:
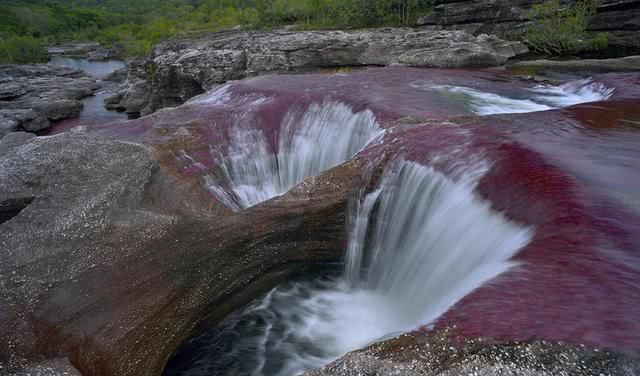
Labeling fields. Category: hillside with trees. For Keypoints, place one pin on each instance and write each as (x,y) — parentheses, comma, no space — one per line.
(27,25)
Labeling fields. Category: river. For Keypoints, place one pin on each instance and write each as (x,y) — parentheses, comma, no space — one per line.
(93,111)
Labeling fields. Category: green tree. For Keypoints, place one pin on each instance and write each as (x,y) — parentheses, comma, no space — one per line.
(559,30)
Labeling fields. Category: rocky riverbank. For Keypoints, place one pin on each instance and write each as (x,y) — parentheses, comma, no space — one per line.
(181,69)
(31,96)
(91,51)
(620,19)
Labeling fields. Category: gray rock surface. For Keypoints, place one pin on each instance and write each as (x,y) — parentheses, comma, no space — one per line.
(504,18)
(90,50)
(437,355)
(27,119)
(623,64)
(14,139)
(33,95)
(181,69)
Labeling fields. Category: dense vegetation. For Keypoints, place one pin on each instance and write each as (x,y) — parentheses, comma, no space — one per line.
(562,30)
(136,25)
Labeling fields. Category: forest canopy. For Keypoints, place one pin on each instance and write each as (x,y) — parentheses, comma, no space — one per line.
(136,25)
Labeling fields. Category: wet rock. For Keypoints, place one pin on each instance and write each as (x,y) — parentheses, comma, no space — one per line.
(440,354)
(33,95)
(181,69)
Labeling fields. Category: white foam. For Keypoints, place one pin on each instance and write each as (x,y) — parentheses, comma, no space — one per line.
(309,142)
(543,97)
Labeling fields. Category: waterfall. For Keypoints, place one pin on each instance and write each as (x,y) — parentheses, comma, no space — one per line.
(432,242)
(418,244)
(308,142)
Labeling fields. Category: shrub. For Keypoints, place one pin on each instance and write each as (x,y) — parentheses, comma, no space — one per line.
(21,49)
(558,30)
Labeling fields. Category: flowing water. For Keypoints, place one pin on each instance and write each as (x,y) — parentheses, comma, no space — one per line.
(432,242)
(327,133)
(93,111)
(309,142)
(539,98)
(98,69)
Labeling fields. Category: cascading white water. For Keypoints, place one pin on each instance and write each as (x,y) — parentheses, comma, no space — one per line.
(322,137)
(539,98)
(432,241)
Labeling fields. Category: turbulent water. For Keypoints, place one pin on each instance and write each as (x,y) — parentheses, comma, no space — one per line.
(308,142)
(539,98)
(432,242)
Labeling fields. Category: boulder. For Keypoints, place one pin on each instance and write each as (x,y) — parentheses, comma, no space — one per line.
(181,69)
(25,119)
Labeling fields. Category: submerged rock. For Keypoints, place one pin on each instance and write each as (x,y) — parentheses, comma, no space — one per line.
(33,95)
(181,69)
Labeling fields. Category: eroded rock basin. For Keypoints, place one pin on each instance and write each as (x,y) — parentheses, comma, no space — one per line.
(560,181)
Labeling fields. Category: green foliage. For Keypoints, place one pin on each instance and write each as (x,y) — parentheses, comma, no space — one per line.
(137,25)
(21,49)
(341,13)
(559,30)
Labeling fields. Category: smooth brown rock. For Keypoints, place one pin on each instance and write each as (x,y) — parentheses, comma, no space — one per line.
(110,259)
